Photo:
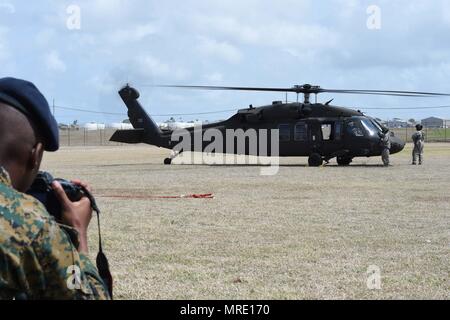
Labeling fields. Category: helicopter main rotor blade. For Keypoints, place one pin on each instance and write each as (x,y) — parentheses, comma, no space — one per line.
(389,92)
(228,88)
(379,93)
(314,90)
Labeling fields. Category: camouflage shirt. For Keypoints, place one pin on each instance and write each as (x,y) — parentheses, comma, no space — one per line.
(418,137)
(386,141)
(37,259)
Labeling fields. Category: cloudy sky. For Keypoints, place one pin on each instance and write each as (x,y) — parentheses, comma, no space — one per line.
(226,42)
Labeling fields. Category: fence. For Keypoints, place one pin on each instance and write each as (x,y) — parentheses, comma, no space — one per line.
(431,134)
(84,137)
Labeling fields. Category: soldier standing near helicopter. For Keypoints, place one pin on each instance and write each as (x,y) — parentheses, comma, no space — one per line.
(386,145)
(419,141)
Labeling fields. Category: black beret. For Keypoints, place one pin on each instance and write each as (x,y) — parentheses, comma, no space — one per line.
(25,97)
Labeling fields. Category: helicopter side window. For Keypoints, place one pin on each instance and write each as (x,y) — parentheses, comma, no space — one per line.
(327,131)
(285,132)
(301,132)
(354,128)
(338,130)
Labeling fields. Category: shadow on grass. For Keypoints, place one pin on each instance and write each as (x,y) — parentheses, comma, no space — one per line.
(290,165)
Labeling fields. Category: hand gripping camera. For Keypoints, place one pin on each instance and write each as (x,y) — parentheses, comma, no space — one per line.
(42,190)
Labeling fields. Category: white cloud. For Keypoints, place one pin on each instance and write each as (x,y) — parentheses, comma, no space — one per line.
(272,33)
(228,26)
(7,7)
(153,66)
(216,49)
(45,36)
(149,67)
(134,34)
(215,77)
(103,84)
(109,7)
(191,41)
(4,50)
(446,12)
(54,63)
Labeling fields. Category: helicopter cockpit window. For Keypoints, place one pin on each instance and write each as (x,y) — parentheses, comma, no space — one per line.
(354,128)
(327,130)
(377,125)
(285,132)
(369,126)
(301,132)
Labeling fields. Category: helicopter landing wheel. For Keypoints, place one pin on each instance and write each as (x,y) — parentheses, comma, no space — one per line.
(344,161)
(167,161)
(315,160)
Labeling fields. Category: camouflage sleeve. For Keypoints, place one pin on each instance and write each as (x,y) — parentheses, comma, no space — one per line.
(68,275)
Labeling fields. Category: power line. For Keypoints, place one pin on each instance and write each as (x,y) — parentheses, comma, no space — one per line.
(89,111)
(153,115)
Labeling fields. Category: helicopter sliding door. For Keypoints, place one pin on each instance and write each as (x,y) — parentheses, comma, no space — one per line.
(295,139)
(315,137)
(326,137)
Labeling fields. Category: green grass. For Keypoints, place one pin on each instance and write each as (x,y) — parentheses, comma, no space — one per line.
(306,233)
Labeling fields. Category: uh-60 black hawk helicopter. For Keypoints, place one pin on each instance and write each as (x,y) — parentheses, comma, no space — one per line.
(315,130)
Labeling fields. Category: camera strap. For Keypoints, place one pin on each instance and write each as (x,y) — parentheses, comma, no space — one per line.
(102,261)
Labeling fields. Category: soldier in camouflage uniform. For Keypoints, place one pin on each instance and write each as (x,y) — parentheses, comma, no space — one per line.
(386,146)
(37,258)
(419,141)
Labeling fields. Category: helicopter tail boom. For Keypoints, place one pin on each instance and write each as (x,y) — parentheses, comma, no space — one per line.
(145,129)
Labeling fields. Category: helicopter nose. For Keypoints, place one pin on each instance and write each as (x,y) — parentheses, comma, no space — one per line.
(397,145)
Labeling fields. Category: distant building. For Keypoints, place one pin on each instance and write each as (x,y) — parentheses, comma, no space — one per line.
(397,123)
(93,126)
(433,122)
(119,126)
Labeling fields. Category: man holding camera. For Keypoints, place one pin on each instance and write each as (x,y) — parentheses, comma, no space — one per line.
(37,258)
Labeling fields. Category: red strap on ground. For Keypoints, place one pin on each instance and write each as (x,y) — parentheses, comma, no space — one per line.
(190,196)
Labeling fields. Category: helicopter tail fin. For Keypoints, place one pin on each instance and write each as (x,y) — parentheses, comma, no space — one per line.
(145,129)
(128,136)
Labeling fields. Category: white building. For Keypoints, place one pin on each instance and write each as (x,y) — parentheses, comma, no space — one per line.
(93,126)
(120,126)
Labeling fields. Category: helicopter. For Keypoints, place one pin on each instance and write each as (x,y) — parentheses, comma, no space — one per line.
(319,131)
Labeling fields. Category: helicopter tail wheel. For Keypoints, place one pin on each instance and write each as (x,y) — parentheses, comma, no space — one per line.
(344,161)
(315,160)
(167,161)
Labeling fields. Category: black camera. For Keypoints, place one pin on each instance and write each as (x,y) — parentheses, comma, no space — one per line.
(42,190)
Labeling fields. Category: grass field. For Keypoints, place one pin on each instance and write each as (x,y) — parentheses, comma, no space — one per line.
(306,233)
